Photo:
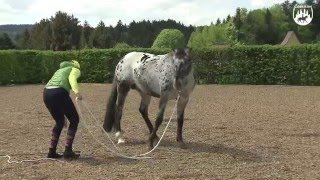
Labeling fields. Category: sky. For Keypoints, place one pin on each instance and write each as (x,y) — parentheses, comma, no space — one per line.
(188,12)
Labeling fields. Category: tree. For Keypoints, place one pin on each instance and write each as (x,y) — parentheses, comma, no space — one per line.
(237,21)
(65,31)
(41,35)
(270,36)
(23,40)
(287,8)
(208,36)
(99,36)
(227,19)
(120,34)
(169,38)
(62,32)
(315,23)
(280,23)
(255,27)
(76,30)
(86,32)
(5,42)
(218,21)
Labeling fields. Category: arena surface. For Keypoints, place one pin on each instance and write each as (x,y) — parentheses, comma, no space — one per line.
(232,132)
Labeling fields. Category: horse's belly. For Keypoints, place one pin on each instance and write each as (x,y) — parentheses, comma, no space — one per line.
(149,87)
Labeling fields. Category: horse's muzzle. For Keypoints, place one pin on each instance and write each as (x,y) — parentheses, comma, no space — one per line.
(177,84)
(178,71)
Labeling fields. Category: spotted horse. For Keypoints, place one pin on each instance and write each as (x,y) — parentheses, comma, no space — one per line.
(162,76)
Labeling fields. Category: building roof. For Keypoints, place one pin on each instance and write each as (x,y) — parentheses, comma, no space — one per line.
(290,39)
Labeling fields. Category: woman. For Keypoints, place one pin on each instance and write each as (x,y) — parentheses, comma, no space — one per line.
(57,100)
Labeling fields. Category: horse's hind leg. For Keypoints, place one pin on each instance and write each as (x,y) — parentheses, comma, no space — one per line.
(122,93)
(181,105)
(143,109)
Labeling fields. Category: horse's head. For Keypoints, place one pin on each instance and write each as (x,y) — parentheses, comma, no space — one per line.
(183,64)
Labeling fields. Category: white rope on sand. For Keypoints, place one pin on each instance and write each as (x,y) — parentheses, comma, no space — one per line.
(140,156)
(137,157)
(28,160)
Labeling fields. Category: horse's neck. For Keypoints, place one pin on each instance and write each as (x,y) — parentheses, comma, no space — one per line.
(167,60)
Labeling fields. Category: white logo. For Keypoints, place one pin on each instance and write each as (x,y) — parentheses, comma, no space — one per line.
(302,14)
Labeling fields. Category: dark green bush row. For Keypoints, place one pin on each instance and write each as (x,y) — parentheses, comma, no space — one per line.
(298,65)
(32,67)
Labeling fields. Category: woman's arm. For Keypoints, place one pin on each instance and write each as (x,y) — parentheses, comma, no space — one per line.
(74,75)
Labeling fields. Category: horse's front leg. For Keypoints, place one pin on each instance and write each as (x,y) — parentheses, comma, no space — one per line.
(181,105)
(143,109)
(162,107)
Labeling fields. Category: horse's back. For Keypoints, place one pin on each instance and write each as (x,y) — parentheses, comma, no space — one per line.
(133,59)
(131,62)
(150,74)
(133,56)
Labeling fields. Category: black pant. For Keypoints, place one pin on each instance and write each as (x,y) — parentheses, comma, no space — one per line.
(59,104)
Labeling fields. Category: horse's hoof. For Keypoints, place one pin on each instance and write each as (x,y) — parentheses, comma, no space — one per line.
(156,138)
(121,141)
(150,145)
(183,145)
(118,134)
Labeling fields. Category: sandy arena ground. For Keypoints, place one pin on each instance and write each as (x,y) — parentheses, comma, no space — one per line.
(232,132)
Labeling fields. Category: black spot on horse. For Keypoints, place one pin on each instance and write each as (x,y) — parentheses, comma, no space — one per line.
(144,58)
(135,71)
(166,88)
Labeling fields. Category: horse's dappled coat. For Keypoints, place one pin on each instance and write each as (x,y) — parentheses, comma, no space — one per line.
(162,76)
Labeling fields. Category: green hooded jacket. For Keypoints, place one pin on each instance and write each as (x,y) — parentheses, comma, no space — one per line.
(66,77)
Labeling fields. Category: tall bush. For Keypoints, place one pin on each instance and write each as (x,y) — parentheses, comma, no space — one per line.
(169,38)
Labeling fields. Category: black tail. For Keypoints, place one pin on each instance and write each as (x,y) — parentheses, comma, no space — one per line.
(111,108)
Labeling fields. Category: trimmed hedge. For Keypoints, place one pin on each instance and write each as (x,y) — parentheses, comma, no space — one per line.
(297,65)
(33,67)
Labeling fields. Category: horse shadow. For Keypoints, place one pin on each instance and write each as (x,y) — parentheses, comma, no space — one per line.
(194,147)
(302,135)
(105,160)
(199,147)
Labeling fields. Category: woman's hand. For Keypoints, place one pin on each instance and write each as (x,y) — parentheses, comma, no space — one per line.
(78,96)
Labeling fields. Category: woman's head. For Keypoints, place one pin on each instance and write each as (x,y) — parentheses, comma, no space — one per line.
(75,64)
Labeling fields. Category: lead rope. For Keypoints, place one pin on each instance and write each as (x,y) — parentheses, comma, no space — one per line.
(27,160)
(137,157)
(110,139)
